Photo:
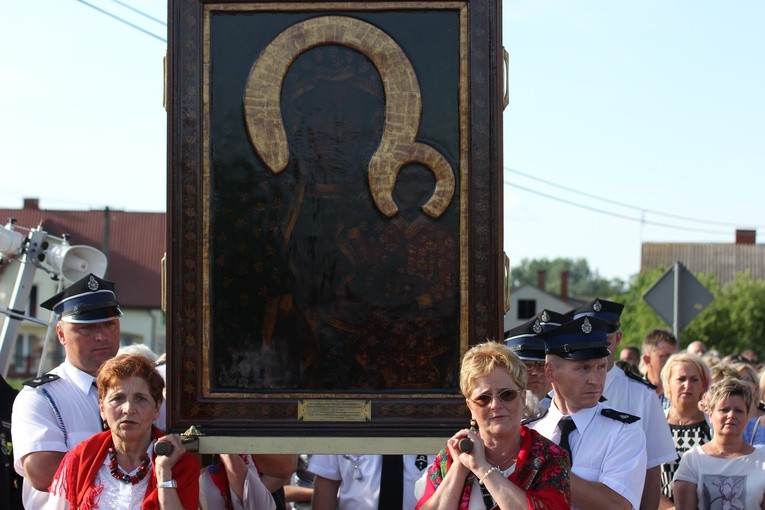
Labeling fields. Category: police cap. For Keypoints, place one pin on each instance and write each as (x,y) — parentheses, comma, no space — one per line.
(90,299)
(608,311)
(523,340)
(581,339)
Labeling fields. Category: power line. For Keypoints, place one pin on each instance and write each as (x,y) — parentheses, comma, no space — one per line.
(137,11)
(618,203)
(123,21)
(617,215)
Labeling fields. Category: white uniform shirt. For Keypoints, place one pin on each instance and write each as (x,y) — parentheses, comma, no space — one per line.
(630,396)
(364,494)
(54,416)
(605,450)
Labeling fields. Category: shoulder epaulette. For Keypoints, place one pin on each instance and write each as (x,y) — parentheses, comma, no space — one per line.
(534,417)
(39,381)
(640,380)
(619,416)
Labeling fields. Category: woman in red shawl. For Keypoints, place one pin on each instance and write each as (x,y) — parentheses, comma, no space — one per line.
(118,468)
(508,466)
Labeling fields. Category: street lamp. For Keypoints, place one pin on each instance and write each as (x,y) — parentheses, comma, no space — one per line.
(39,250)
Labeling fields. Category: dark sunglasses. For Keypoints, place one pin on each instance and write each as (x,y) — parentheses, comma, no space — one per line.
(504,396)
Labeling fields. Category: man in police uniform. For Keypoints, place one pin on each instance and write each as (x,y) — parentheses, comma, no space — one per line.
(10,482)
(636,396)
(55,412)
(607,446)
(523,341)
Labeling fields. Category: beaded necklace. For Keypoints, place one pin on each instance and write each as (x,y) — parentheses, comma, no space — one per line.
(123,477)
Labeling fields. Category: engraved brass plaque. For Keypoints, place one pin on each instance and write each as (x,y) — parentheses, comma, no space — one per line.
(334,410)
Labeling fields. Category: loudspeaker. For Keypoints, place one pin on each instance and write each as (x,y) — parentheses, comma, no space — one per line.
(10,241)
(75,262)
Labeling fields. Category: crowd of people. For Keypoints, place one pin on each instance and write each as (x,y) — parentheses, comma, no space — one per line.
(557,421)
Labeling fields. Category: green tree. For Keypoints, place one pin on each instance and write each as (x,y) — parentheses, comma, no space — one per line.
(734,321)
(638,318)
(582,281)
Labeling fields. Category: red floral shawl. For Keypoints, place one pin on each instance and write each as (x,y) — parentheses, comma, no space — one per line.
(219,477)
(77,472)
(542,470)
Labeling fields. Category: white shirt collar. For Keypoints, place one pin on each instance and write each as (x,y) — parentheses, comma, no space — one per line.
(82,380)
(582,417)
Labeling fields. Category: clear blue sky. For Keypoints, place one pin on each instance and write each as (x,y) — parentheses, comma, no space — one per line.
(625,118)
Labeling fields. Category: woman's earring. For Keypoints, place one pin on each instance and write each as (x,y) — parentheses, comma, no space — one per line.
(473,425)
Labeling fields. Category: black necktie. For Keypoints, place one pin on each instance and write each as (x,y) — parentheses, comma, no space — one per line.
(566,425)
(391,483)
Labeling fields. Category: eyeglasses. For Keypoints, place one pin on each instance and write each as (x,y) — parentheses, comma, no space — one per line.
(539,366)
(504,396)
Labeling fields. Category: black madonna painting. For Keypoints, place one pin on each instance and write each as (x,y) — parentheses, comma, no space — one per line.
(335,204)
(331,203)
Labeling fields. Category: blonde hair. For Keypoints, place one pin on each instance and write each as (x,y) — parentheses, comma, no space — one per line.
(722,370)
(726,388)
(482,358)
(691,359)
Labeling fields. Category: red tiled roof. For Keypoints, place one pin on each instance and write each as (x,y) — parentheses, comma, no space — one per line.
(725,260)
(133,243)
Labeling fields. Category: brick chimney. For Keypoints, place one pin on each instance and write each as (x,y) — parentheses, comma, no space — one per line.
(541,279)
(746,236)
(32,203)
(564,285)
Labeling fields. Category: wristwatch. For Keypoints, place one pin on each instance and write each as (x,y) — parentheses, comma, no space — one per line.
(170,484)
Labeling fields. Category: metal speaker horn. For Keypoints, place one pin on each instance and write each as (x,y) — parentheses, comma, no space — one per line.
(75,262)
(10,241)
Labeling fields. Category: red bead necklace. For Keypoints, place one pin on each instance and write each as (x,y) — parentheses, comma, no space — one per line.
(123,477)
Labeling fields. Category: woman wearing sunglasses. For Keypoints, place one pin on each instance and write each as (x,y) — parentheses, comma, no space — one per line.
(497,463)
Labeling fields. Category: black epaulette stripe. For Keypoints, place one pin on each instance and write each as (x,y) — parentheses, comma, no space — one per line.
(39,381)
(535,417)
(640,380)
(619,416)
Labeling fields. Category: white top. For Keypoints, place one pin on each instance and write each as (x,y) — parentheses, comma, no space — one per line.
(364,493)
(115,495)
(605,450)
(625,394)
(255,495)
(734,483)
(55,416)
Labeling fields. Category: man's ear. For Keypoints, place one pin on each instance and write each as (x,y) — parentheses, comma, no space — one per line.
(549,371)
(647,360)
(60,334)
